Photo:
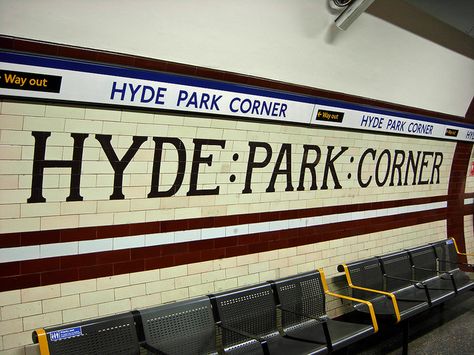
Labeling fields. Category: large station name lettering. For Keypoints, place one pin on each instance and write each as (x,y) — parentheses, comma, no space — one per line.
(374,167)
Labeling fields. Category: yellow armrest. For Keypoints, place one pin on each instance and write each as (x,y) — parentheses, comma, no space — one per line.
(367,303)
(389,294)
(457,250)
(42,341)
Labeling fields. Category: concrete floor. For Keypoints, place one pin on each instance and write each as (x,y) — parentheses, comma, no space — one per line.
(443,330)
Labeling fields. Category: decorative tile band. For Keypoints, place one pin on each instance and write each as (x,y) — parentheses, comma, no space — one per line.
(42,251)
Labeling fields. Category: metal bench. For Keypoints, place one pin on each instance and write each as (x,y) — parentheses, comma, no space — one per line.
(247,318)
(108,335)
(302,302)
(448,254)
(185,327)
(400,279)
(366,280)
(400,285)
(425,267)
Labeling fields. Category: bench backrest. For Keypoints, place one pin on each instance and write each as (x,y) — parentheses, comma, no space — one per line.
(397,264)
(446,254)
(185,327)
(423,257)
(366,273)
(109,335)
(301,294)
(251,309)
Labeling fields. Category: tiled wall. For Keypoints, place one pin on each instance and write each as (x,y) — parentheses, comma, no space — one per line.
(64,261)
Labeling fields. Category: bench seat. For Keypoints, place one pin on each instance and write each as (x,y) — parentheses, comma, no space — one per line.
(184,327)
(301,299)
(251,313)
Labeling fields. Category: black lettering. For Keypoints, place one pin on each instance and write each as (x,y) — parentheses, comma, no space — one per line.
(398,167)
(436,167)
(198,160)
(379,182)
(251,164)
(359,168)
(413,165)
(284,151)
(310,166)
(40,163)
(119,165)
(424,163)
(155,177)
(329,167)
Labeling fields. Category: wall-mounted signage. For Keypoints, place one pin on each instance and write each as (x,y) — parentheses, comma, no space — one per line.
(29,81)
(75,81)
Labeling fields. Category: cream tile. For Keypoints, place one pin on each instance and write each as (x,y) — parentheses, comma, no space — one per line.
(80,313)
(114,307)
(21,310)
(10,297)
(61,303)
(78,287)
(40,293)
(42,320)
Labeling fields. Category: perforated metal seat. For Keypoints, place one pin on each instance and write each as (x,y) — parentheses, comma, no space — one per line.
(448,260)
(108,335)
(248,317)
(303,303)
(400,279)
(367,281)
(181,328)
(425,267)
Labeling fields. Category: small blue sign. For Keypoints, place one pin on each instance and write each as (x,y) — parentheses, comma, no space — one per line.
(65,334)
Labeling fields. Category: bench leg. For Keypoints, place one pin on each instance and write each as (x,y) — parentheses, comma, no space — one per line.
(405,331)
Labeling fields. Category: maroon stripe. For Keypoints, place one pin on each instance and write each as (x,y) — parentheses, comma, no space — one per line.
(37,47)
(457,182)
(468,210)
(48,271)
(9,240)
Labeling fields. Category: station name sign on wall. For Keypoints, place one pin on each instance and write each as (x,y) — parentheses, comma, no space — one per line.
(74,81)
(293,167)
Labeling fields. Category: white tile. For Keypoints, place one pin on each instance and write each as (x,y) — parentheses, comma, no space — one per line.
(19,253)
(278,225)
(187,236)
(210,233)
(59,249)
(403,209)
(159,239)
(344,217)
(135,241)
(297,223)
(415,208)
(330,218)
(314,221)
(92,246)
(370,214)
(237,230)
(381,213)
(469,201)
(357,215)
(392,211)
(259,227)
